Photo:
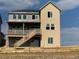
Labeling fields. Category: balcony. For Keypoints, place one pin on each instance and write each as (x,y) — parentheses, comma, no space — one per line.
(21,32)
(24,18)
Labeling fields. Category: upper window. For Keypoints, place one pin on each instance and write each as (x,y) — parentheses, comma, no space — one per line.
(48,26)
(36,16)
(50,40)
(52,27)
(24,16)
(33,16)
(14,16)
(19,16)
(49,14)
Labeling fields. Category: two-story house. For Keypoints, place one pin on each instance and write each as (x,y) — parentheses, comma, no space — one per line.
(34,28)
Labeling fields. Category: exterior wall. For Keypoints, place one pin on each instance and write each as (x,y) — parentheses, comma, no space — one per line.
(50,33)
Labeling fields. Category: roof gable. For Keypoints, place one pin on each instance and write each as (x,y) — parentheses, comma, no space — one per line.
(48,4)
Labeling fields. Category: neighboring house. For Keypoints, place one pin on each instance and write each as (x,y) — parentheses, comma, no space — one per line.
(2,41)
(34,28)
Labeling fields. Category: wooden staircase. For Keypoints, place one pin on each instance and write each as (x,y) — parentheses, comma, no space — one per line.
(26,38)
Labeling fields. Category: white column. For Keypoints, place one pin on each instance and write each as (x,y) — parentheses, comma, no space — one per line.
(7,41)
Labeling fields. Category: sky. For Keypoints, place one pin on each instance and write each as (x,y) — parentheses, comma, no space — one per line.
(69,16)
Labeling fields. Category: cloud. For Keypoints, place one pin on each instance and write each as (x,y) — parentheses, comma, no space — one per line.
(22,4)
(68,4)
(70,36)
(17,4)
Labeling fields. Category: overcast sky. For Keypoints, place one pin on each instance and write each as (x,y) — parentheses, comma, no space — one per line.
(69,16)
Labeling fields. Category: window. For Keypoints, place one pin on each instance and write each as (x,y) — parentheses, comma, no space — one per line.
(24,16)
(50,40)
(13,27)
(19,16)
(36,16)
(49,14)
(52,27)
(33,16)
(47,27)
(14,16)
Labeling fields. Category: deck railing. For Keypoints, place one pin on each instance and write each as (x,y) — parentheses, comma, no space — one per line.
(21,31)
(28,20)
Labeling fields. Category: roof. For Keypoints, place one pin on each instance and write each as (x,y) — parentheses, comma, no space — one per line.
(25,10)
(22,11)
(52,4)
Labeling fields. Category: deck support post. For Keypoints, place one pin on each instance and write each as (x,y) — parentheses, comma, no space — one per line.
(23,28)
(7,41)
